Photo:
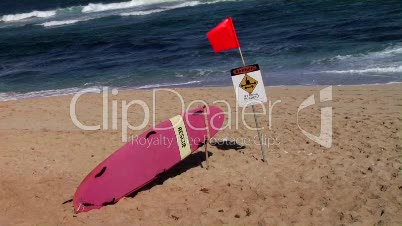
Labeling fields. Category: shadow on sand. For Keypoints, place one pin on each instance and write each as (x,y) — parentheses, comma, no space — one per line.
(190,162)
(228,145)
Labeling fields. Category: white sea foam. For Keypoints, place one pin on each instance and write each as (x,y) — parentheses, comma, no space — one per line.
(22,16)
(141,13)
(340,57)
(60,22)
(167,85)
(184,4)
(146,12)
(377,70)
(391,51)
(44,93)
(99,7)
(388,52)
(373,84)
(217,1)
(71,91)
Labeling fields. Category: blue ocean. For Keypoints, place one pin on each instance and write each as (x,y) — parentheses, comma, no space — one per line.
(56,47)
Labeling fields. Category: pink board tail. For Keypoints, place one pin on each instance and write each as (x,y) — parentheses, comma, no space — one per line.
(140,161)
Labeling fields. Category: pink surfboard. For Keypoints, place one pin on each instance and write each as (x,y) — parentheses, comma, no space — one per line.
(140,161)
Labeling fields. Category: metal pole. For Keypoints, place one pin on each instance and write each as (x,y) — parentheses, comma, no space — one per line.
(207,140)
(255,117)
(259,134)
(242,58)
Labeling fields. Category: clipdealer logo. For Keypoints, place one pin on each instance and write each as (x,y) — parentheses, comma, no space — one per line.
(325,136)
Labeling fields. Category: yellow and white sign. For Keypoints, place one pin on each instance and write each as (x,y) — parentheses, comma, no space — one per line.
(249,86)
(181,136)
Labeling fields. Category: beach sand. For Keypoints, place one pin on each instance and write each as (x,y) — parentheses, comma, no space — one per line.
(44,157)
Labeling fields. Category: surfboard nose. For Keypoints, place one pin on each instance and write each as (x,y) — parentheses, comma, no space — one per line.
(216,117)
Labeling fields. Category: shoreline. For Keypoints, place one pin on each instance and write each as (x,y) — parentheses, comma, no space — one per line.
(72,91)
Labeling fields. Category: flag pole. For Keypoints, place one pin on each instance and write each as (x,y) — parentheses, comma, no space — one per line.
(207,135)
(242,58)
(255,117)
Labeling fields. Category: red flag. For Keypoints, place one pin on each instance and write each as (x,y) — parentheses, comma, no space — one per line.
(223,36)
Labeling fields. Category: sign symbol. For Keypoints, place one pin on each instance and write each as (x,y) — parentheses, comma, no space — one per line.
(248,84)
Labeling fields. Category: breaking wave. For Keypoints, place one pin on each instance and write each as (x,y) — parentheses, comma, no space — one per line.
(99,7)
(390,51)
(71,91)
(387,52)
(44,93)
(23,16)
(377,70)
(140,13)
(69,15)
(146,12)
(167,85)
(61,22)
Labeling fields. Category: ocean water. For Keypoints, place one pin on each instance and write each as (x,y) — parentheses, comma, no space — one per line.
(50,47)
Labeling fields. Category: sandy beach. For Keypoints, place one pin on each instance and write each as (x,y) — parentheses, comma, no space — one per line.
(44,157)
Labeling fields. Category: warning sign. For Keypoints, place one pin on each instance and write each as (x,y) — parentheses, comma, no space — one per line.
(248,85)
